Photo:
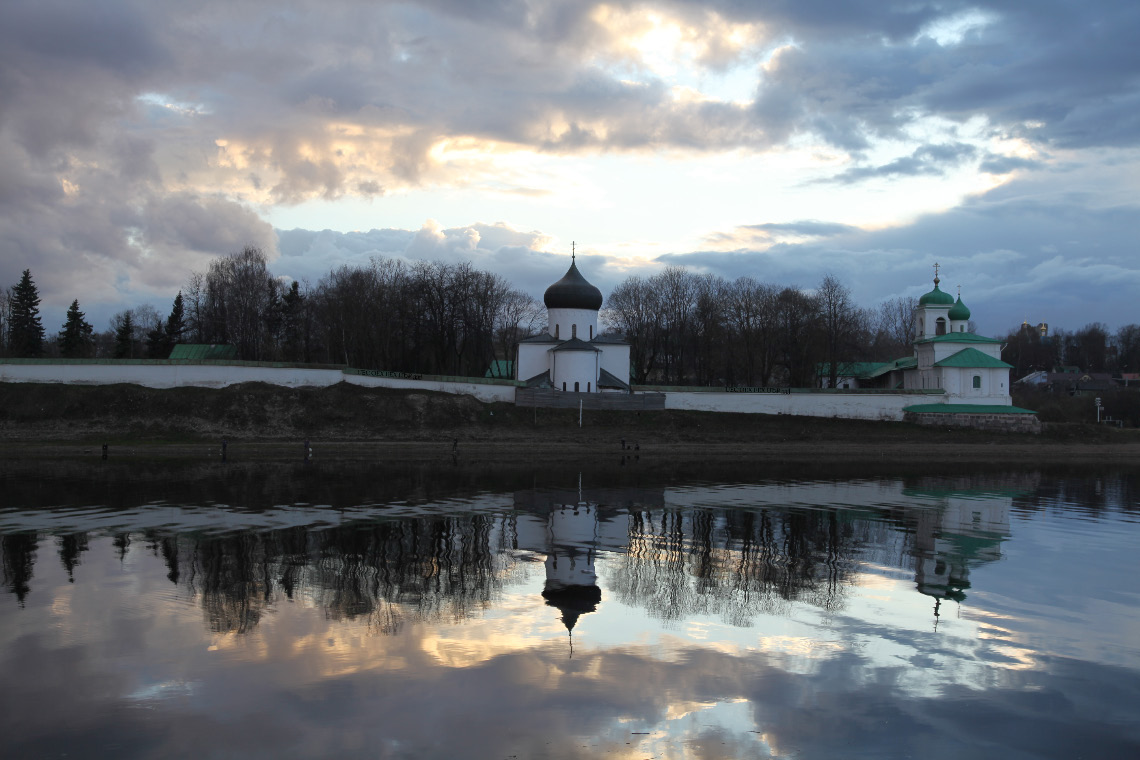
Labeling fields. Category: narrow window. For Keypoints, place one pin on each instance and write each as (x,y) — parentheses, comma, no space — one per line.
(978,381)
(555,330)
(564,386)
(573,331)
(575,387)
(587,387)
(591,332)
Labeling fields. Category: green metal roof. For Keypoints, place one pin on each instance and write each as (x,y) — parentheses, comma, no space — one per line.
(907,362)
(201,351)
(858,370)
(958,337)
(501,368)
(972,358)
(966,409)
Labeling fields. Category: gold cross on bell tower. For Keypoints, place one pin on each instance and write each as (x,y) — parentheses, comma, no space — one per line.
(936,280)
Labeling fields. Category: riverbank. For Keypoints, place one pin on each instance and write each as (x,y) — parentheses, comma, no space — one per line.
(260,421)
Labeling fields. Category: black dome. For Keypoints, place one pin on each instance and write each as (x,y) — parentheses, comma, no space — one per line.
(573,292)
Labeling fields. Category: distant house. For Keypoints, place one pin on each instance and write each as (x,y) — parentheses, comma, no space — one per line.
(204,352)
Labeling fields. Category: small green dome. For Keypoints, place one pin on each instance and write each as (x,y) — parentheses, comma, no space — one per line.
(958,312)
(936,297)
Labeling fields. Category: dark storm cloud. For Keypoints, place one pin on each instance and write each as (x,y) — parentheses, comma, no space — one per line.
(928,160)
(1006,164)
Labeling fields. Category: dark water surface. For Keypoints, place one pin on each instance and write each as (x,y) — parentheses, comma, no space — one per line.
(167,609)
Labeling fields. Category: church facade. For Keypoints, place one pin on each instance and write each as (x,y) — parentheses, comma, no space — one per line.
(947,356)
(571,355)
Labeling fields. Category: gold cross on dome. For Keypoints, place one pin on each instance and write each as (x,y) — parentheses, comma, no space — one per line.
(936,273)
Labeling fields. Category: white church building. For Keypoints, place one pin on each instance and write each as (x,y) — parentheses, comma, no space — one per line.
(947,356)
(571,355)
(966,366)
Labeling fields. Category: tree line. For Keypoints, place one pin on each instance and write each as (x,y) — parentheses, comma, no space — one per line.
(1092,348)
(454,319)
(426,317)
(690,329)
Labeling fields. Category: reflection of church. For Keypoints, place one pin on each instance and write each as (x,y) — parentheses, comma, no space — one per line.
(964,532)
(570,529)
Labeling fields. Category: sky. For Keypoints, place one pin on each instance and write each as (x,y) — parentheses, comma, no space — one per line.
(783,140)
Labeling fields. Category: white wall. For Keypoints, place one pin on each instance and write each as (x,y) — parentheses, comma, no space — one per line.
(533,359)
(615,360)
(221,375)
(585,319)
(575,367)
(167,375)
(481,391)
(870,406)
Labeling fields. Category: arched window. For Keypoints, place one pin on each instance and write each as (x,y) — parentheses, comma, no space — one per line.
(564,385)
(555,330)
(591,332)
(573,331)
(940,326)
(575,387)
(587,387)
(978,382)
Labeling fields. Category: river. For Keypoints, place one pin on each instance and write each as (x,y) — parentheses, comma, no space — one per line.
(160,609)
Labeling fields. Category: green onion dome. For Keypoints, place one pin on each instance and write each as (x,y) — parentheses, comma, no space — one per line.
(958,312)
(936,297)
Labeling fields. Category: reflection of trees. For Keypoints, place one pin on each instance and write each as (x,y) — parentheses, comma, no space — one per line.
(392,571)
(734,563)
(19,551)
(71,545)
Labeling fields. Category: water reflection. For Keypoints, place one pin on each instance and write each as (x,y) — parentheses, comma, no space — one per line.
(409,616)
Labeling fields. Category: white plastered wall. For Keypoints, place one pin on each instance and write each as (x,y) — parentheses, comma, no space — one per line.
(615,360)
(533,359)
(575,367)
(562,322)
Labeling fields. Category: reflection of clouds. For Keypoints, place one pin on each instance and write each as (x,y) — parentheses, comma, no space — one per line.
(501,684)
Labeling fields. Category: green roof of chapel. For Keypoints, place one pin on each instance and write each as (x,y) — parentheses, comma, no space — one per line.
(972,358)
(958,337)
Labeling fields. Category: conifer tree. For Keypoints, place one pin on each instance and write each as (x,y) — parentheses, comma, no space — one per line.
(26,331)
(176,322)
(164,337)
(125,337)
(75,340)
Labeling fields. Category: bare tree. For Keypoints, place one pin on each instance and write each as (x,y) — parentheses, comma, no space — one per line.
(895,329)
(839,319)
(633,309)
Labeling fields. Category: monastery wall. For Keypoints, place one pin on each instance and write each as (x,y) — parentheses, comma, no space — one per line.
(850,405)
(174,374)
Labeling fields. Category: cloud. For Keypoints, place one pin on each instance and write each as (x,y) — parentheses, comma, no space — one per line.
(927,160)
(1019,254)
(137,140)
